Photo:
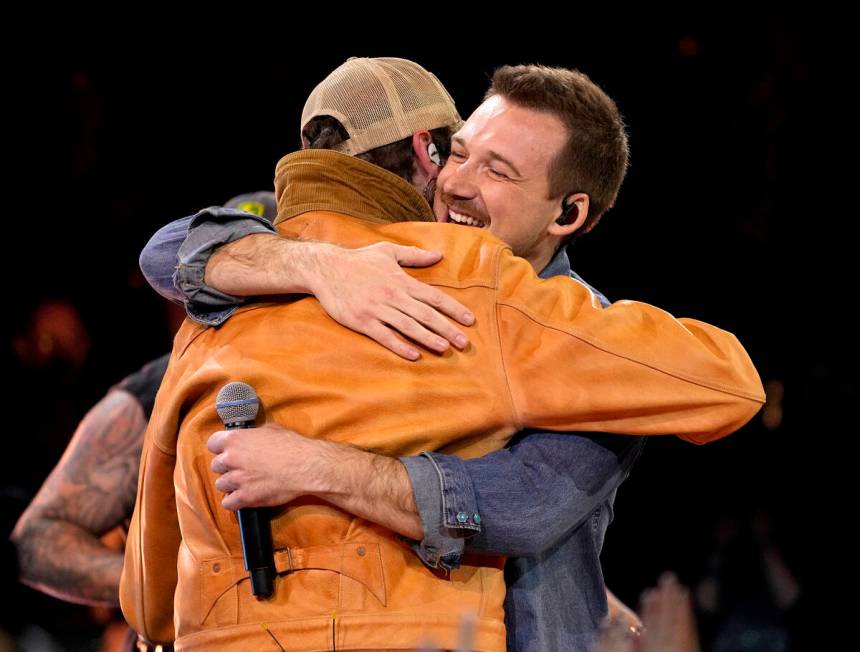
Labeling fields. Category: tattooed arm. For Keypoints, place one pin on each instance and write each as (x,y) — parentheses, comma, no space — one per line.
(91,491)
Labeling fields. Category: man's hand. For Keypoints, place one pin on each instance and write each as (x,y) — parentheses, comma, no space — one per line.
(364,289)
(621,616)
(669,623)
(367,291)
(272,465)
(266,466)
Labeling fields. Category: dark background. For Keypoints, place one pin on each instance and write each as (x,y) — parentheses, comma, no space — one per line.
(733,211)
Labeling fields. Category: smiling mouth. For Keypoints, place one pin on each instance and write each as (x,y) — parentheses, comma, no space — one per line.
(467,220)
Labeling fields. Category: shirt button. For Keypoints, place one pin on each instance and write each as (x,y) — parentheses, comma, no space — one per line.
(476,518)
(216,567)
(462,517)
(361,551)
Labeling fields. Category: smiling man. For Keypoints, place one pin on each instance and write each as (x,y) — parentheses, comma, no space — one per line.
(500,177)
(546,500)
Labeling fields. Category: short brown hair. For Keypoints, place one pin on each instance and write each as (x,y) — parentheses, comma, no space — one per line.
(595,158)
(326,132)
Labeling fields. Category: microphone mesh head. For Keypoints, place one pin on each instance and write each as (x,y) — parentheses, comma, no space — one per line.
(237,402)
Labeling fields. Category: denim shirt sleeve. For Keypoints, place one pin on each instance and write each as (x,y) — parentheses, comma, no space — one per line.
(516,501)
(159,258)
(438,490)
(174,260)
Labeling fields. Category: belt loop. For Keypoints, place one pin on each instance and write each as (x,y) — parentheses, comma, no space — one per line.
(289,558)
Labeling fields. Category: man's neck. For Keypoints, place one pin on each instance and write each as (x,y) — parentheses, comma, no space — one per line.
(325,180)
(559,265)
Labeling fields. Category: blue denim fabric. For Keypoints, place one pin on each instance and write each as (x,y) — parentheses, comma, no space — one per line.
(174,260)
(545,501)
(160,258)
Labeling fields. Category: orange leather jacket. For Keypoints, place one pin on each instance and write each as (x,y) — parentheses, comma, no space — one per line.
(543,354)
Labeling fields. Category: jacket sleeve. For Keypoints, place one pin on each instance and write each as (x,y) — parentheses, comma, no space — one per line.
(630,368)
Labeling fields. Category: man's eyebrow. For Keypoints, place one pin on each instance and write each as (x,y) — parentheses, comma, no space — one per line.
(493,155)
(506,161)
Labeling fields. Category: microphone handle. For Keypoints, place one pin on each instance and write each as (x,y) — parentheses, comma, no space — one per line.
(257,549)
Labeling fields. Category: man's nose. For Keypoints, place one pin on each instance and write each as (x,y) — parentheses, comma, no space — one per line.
(460,184)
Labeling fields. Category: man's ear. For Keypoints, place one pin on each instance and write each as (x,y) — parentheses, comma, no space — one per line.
(573,212)
(421,144)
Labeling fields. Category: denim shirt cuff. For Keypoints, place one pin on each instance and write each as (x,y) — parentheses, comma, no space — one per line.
(209,229)
(447,505)
(208,316)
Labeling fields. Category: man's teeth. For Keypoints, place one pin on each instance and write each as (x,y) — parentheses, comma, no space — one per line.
(464,219)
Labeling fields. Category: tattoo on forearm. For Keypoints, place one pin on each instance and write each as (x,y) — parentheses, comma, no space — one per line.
(91,491)
(67,562)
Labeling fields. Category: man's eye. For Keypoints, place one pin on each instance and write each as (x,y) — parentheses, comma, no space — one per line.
(497,174)
(457,155)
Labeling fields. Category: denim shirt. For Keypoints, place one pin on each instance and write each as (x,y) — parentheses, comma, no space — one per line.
(545,501)
(174,260)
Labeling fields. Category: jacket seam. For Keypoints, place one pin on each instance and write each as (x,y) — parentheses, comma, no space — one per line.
(598,345)
(499,347)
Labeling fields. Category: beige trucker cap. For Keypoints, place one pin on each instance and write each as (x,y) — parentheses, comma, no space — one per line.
(380,101)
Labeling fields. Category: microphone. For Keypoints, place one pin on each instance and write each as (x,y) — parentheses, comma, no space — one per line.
(237,405)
